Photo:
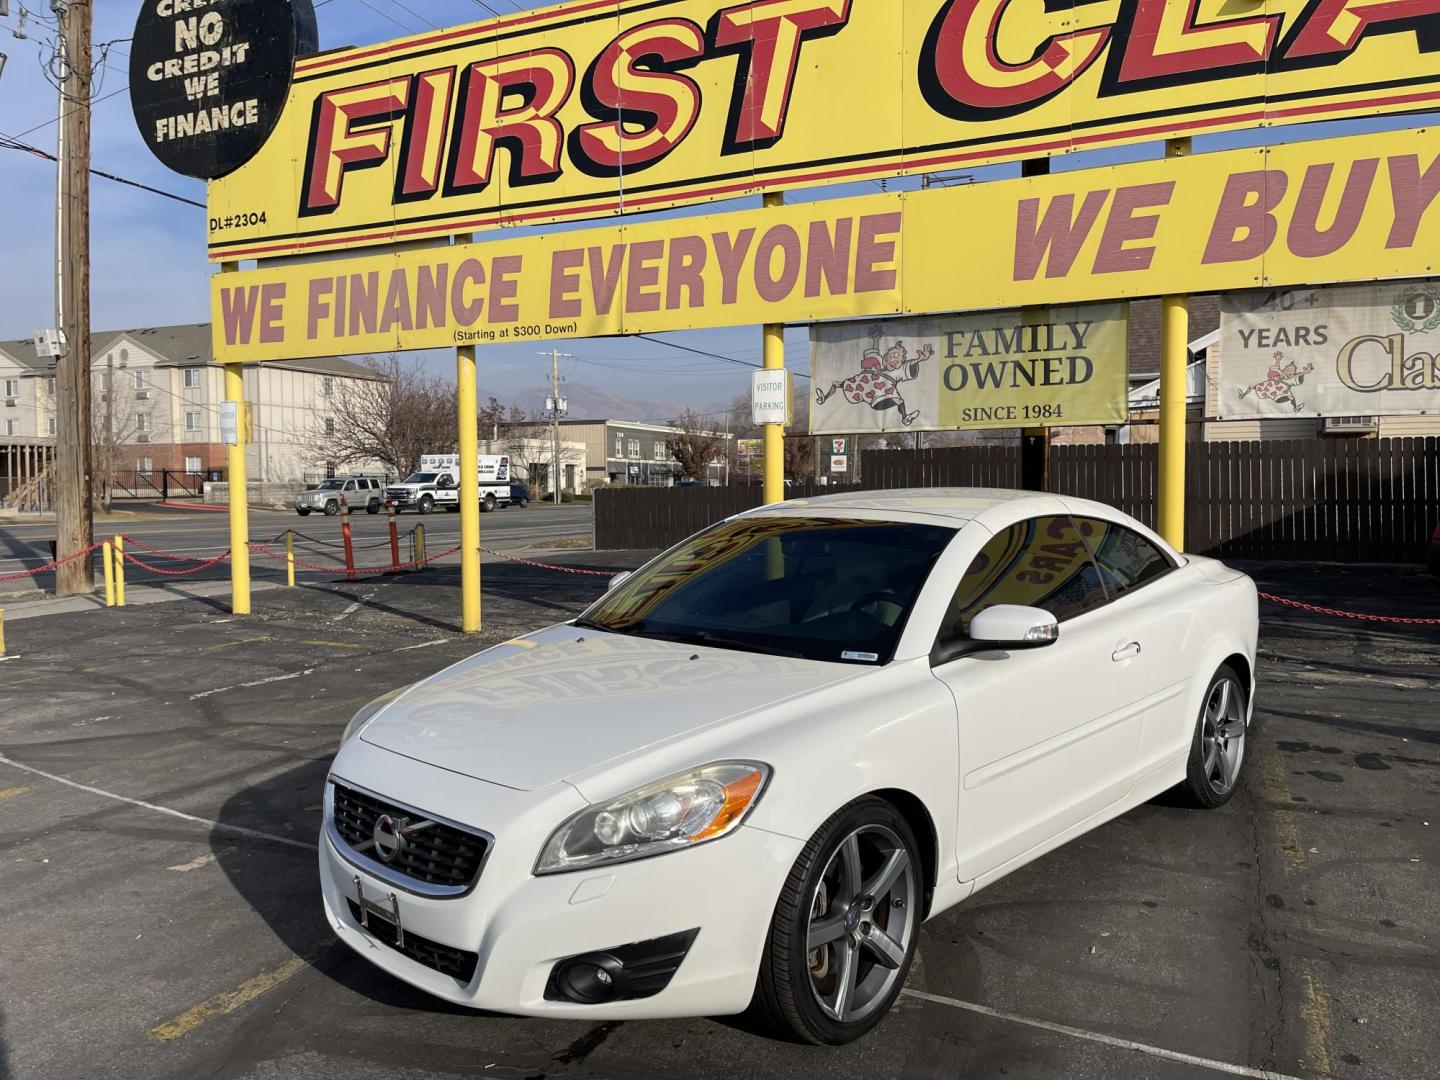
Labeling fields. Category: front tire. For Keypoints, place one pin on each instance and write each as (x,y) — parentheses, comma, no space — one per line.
(426,504)
(1217,751)
(845,929)
(332,508)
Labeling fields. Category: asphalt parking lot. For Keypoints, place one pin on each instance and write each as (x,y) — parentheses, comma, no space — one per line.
(161,771)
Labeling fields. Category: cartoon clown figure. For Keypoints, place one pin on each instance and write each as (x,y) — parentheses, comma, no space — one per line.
(1279,383)
(877,383)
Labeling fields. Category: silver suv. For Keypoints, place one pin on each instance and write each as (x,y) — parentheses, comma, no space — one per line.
(359,492)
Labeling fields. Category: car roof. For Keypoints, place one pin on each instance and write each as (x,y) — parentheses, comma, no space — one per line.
(957,505)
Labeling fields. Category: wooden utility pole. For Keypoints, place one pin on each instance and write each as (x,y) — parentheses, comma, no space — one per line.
(73,512)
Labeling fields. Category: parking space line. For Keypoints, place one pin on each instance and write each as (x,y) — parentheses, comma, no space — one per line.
(257,682)
(228,1001)
(1104,1040)
(11,792)
(239,830)
(193,864)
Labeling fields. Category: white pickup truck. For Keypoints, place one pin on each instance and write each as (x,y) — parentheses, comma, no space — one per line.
(437,484)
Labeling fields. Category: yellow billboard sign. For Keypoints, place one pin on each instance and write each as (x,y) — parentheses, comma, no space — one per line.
(600,107)
(1304,213)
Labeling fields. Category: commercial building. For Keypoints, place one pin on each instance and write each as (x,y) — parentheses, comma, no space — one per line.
(627,453)
(156,407)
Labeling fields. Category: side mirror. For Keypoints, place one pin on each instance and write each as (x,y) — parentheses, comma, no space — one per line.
(1009,626)
(618,580)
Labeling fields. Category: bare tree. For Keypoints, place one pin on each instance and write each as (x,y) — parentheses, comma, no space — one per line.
(109,435)
(799,445)
(694,445)
(494,418)
(393,419)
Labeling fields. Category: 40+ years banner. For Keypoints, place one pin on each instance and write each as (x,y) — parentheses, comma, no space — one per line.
(998,369)
(600,107)
(1352,350)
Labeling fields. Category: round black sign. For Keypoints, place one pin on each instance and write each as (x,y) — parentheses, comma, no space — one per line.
(209,78)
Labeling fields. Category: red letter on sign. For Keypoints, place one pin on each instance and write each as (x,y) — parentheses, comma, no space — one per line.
(634,82)
(1338,25)
(964,77)
(767,34)
(1246,207)
(544,79)
(422,151)
(1056,238)
(1165,44)
(351,130)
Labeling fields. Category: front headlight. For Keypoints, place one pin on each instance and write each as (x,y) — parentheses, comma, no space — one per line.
(678,812)
(369,712)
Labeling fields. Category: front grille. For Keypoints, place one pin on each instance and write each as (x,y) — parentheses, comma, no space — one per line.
(438,854)
(457,963)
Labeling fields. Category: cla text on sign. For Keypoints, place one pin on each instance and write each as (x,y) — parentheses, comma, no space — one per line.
(1355,350)
(536,116)
(1303,213)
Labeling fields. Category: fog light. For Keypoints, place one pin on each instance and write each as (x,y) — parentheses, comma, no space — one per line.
(591,979)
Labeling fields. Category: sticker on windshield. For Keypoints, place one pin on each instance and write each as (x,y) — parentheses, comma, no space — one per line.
(868,657)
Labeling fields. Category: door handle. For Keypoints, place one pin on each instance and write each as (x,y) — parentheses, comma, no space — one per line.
(1126,652)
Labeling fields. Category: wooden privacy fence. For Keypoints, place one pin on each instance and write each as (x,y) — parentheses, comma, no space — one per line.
(1372,500)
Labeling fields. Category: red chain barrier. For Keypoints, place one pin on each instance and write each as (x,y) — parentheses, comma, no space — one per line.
(359,571)
(51,566)
(196,569)
(131,541)
(1318,610)
(547,566)
(327,543)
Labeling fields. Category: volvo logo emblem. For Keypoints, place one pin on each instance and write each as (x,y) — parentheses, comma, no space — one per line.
(389,836)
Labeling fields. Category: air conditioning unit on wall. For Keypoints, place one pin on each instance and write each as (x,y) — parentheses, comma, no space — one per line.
(142,437)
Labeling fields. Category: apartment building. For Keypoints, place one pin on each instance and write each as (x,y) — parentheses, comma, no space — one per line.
(629,453)
(156,404)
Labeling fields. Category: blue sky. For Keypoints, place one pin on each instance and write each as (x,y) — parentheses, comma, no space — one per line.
(149,265)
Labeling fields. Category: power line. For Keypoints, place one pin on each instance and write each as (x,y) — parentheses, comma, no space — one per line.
(8,142)
(702,352)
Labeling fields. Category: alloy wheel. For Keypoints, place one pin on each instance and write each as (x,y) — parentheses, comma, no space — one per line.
(863,918)
(1222,736)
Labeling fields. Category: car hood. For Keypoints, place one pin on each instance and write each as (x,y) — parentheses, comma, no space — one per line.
(557,703)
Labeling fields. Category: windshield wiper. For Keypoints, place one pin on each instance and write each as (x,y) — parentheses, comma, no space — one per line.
(717,641)
(591,624)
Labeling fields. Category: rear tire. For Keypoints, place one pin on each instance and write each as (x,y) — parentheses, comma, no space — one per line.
(1217,749)
(373,506)
(487,504)
(845,929)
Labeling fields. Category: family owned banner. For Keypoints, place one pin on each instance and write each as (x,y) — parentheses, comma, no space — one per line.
(1352,350)
(998,369)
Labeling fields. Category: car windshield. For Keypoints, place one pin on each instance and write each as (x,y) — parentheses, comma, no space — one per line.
(331,485)
(420,478)
(830,589)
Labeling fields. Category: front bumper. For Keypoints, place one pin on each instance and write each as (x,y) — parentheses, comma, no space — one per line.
(520,925)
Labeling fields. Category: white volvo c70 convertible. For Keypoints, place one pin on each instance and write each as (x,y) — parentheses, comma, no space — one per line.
(751,770)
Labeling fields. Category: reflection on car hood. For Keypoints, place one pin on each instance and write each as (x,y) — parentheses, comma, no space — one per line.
(546,707)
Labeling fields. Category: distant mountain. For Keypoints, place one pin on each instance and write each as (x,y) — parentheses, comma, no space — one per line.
(601,403)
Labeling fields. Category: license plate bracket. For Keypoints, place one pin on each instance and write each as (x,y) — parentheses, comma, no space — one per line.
(385,907)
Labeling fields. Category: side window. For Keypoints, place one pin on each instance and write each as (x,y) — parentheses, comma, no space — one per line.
(1127,560)
(1040,563)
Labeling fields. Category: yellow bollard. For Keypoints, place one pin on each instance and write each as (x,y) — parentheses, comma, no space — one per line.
(119,570)
(290,558)
(107,554)
(420,547)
